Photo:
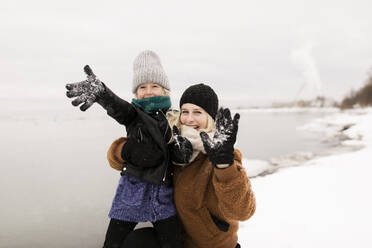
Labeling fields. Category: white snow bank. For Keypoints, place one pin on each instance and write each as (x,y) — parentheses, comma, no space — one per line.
(348,125)
(324,203)
(256,167)
(290,160)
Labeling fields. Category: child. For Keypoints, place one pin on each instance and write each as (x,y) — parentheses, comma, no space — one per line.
(144,192)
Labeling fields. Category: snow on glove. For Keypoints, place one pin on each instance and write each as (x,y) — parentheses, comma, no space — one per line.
(181,148)
(87,91)
(220,150)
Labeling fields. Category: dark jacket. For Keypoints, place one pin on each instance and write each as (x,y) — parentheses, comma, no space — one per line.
(146,153)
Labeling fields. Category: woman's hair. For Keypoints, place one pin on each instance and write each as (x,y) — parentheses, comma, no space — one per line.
(210,125)
(174,119)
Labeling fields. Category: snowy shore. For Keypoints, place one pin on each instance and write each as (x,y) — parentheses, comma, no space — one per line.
(325,202)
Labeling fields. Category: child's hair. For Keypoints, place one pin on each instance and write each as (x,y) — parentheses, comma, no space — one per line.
(166,92)
(174,119)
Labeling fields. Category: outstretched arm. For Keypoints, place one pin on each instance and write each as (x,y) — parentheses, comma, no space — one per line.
(119,109)
(93,90)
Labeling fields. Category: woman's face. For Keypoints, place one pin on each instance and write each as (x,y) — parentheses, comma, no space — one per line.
(194,116)
(146,90)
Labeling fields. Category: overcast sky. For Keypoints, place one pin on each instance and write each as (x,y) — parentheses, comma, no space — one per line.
(260,51)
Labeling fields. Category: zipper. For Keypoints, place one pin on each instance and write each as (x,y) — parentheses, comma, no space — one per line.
(166,129)
(165,133)
(165,173)
(140,134)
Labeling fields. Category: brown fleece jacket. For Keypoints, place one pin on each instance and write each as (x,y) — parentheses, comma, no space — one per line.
(200,191)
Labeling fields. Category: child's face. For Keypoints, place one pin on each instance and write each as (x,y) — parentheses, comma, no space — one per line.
(194,116)
(146,90)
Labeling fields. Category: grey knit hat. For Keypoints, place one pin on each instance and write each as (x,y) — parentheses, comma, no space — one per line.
(147,69)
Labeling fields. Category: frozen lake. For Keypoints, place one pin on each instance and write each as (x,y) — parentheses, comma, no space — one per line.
(267,134)
(56,185)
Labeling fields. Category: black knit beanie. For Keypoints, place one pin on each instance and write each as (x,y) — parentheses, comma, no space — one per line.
(203,96)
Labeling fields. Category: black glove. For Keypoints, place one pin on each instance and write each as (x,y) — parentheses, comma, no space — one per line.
(181,148)
(87,91)
(220,150)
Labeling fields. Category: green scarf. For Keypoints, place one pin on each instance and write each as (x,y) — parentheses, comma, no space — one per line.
(151,104)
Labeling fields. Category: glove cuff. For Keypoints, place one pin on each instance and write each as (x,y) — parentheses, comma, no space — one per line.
(222,168)
(223,159)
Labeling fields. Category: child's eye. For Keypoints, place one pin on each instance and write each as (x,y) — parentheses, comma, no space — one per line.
(197,112)
(155,86)
(184,112)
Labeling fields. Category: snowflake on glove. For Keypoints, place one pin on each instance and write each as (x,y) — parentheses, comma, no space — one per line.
(220,149)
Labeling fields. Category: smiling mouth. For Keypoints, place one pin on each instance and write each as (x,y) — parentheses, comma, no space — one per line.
(194,127)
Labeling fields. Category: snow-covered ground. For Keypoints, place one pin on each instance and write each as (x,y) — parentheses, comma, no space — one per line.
(325,202)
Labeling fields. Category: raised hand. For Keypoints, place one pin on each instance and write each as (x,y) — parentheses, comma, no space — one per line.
(87,91)
(181,148)
(220,150)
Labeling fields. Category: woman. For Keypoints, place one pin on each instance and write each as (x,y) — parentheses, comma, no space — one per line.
(211,189)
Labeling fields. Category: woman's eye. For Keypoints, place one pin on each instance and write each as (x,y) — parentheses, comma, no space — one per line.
(197,112)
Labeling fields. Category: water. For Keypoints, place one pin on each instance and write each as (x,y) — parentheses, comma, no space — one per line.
(264,135)
(55,183)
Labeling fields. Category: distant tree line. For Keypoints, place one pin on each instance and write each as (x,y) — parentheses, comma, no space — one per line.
(361,97)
